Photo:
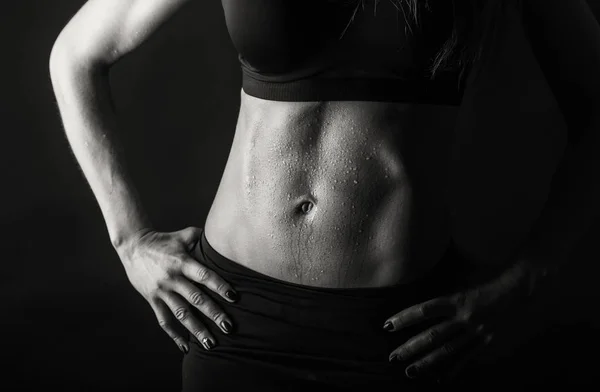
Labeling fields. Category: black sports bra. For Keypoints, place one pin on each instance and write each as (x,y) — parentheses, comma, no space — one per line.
(336,50)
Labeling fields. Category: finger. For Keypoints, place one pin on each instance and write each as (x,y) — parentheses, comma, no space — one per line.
(466,359)
(164,317)
(428,340)
(442,354)
(198,273)
(203,303)
(182,313)
(438,307)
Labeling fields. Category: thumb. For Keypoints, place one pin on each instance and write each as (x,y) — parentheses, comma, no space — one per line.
(190,237)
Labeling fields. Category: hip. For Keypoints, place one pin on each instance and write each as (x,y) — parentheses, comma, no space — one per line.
(329,336)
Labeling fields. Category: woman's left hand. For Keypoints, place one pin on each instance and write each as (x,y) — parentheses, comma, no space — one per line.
(464,324)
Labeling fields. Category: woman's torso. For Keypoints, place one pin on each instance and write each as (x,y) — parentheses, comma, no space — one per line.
(331,193)
(373,173)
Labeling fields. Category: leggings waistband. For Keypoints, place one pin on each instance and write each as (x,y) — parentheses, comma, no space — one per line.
(289,330)
(442,278)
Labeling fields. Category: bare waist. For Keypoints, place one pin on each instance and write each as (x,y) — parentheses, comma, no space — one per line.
(334,194)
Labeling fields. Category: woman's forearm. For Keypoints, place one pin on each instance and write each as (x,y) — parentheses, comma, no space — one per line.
(84,99)
(572,206)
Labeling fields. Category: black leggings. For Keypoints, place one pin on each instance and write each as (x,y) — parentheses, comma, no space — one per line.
(290,337)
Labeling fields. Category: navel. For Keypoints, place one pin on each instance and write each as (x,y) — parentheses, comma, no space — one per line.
(306,207)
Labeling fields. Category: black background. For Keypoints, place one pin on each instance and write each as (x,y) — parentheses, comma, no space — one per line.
(69,317)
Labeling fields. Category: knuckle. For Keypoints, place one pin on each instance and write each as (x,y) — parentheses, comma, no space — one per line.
(468,316)
(465,317)
(161,284)
(479,329)
(203,274)
(181,313)
(460,299)
(169,274)
(164,324)
(448,348)
(427,309)
(173,267)
(191,244)
(200,334)
(214,314)
(197,298)
(184,233)
(179,341)
(222,287)
(432,335)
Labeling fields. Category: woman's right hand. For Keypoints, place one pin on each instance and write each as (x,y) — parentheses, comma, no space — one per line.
(160,267)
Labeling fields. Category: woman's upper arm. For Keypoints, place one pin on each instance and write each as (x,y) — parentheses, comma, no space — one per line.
(565,37)
(102,31)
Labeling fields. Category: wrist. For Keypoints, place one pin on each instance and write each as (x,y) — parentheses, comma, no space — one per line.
(123,236)
(125,219)
(539,274)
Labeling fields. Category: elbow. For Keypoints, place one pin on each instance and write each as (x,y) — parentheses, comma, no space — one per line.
(61,67)
(63,62)
(67,60)
(73,74)
(59,58)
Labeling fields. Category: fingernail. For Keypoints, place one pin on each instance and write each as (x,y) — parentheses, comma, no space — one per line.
(208,343)
(226,325)
(388,326)
(412,372)
(183,348)
(393,357)
(232,295)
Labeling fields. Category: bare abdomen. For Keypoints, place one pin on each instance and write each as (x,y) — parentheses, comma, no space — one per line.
(333,194)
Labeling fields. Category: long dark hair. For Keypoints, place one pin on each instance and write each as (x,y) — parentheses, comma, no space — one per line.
(470,33)
(451,35)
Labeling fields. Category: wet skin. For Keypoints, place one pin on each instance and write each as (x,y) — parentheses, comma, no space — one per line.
(335,194)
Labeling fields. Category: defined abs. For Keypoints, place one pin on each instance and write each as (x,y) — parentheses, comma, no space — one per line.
(323,196)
